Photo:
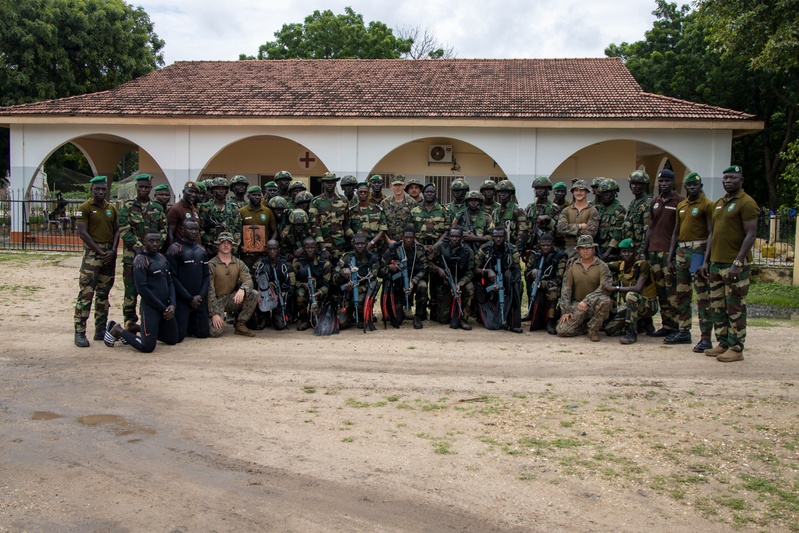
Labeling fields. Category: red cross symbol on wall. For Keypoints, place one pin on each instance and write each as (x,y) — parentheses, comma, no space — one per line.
(307,159)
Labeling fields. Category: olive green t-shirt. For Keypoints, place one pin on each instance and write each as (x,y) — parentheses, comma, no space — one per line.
(100,219)
(728,228)
(693,217)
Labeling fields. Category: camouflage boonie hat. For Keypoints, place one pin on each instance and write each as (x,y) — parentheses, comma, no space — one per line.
(693,177)
(459,185)
(475,195)
(639,176)
(348,180)
(225,236)
(506,185)
(579,184)
(489,184)
(304,196)
(297,185)
(298,216)
(220,182)
(596,182)
(542,181)
(278,202)
(559,185)
(238,179)
(413,181)
(283,175)
(585,241)
(329,176)
(609,185)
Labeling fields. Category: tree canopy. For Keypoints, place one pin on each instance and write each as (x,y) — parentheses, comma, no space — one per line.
(325,35)
(685,56)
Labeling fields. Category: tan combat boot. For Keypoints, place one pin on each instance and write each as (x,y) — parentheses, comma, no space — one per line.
(243,330)
(715,352)
(736,353)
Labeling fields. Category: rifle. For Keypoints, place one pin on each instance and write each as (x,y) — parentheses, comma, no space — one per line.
(280,300)
(313,309)
(406,282)
(534,292)
(499,286)
(453,287)
(355,281)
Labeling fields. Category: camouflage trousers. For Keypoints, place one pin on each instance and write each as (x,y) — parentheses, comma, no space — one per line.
(95,282)
(346,311)
(245,309)
(636,306)
(445,303)
(301,299)
(701,286)
(589,320)
(728,304)
(131,295)
(667,289)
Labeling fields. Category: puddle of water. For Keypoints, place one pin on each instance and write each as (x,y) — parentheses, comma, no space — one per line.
(45,415)
(121,425)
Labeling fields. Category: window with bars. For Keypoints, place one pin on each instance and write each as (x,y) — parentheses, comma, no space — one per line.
(442,184)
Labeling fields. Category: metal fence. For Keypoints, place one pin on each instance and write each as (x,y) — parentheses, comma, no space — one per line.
(39,224)
(775,245)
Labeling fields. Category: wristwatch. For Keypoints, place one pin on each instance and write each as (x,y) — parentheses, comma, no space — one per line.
(737,263)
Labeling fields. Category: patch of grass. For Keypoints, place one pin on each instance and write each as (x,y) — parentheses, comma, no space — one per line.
(775,294)
(348,439)
(18,289)
(348,423)
(566,423)
(393,398)
(760,322)
(527,476)
(733,503)
(443,447)
(309,389)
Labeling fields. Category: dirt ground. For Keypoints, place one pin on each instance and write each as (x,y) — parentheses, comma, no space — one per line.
(393,430)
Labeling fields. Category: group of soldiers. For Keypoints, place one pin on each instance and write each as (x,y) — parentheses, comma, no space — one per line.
(272,256)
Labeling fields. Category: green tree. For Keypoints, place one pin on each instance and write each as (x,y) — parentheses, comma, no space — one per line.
(56,48)
(325,35)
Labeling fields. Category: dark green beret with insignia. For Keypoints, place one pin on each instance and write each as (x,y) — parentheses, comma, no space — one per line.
(559,185)
(626,244)
(376,177)
(693,177)
(201,186)
(162,187)
(99,179)
(143,177)
(254,188)
(428,184)
(270,184)
(734,169)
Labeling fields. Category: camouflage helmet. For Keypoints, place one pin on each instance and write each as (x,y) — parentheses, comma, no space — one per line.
(609,185)
(304,196)
(278,202)
(506,185)
(283,175)
(542,181)
(639,176)
(596,182)
(348,180)
(474,195)
(413,181)
(329,176)
(459,185)
(298,216)
(488,184)
(297,185)
(238,179)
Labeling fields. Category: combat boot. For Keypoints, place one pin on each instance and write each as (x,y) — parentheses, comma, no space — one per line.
(631,336)
(551,327)
(593,335)
(703,345)
(647,325)
(682,336)
(736,353)
(417,323)
(715,352)
(242,329)
(81,341)
(99,334)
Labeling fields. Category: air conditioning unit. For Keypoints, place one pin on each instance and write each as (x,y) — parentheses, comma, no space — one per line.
(439,153)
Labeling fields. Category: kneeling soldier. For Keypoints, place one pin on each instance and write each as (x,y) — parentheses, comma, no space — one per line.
(231,289)
(637,284)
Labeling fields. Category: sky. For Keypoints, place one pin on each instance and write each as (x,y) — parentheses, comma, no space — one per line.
(221,30)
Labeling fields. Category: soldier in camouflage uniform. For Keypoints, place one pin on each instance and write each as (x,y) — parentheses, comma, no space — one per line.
(458,189)
(417,268)
(280,208)
(510,216)
(728,264)
(330,219)
(239,186)
(397,209)
(98,228)
(559,192)
(636,220)
(270,191)
(584,303)
(414,190)
(552,263)
(611,220)
(162,195)
(369,219)
(348,184)
(500,254)
(578,219)
(489,189)
(368,265)
(694,223)
(230,290)
(303,201)
(376,195)
(431,223)
(320,270)
(595,183)
(637,284)
(542,215)
(476,224)
(295,188)
(219,215)
(460,261)
(297,230)
(135,218)
(283,180)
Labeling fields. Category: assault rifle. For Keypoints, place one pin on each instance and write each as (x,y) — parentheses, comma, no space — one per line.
(453,286)
(406,282)
(280,300)
(499,286)
(313,309)
(534,291)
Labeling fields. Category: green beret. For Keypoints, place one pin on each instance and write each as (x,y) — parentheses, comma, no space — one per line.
(376,177)
(693,177)
(734,169)
(271,184)
(626,244)
(201,186)
(362,184)
(143,177)
(559,185)
(99,179)
(254,188)
(428,184)
(162,187)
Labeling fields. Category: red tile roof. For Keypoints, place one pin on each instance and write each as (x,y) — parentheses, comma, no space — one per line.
(546,89)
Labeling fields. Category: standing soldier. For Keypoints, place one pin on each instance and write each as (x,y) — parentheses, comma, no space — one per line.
(162,195)
(475,222)
(694,224)
(414,190)
(488,189)
(663,215)
(270,191)
(368,218)
(552,264)
(376,195)
(220,215)
(559,191)
(611,220)
(542,215)
(636,221)
(310,265)
(283,180)
(98,228)
(135,218)
(239,186)
(330,219)
(595,183)
(348,184)
(280,210)
(303,201)
(578,219)
(397,209)
(257,227)
(183,209)
(458,189)
(510,216)
(295,188)
(367,264)
(431,223)
(459,260)
(727,268)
